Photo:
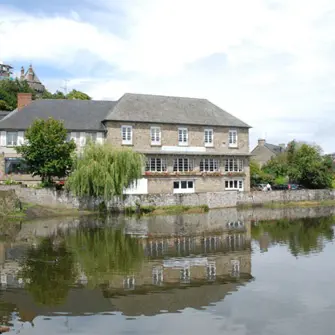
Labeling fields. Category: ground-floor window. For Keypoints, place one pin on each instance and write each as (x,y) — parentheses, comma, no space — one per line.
(183,186)
(15,165)
(234,184)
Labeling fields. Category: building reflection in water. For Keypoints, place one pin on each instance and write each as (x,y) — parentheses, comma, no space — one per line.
(209,264)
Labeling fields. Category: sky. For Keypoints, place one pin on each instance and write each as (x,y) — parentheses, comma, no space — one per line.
(269,63)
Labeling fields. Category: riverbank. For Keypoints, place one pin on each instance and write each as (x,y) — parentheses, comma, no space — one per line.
(211,200)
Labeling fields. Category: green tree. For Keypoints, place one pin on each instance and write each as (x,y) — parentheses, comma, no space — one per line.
(48,272)
(74,94)
(277,166)
(9,90)
(104,171)
(46,152)
(308,167)
(257,175)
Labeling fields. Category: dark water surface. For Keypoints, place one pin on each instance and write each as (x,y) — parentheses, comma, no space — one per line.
(225,272)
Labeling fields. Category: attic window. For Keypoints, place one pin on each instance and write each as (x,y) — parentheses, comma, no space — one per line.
(127,135)
(232,138)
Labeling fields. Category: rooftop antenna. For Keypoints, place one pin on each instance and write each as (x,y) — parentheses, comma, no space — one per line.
(65,86)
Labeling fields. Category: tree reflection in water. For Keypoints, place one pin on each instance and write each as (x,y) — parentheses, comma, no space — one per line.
(48,271)
(103,252)
(302,236)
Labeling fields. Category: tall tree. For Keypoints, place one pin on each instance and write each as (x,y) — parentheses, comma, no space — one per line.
(9,90)
(104,171)
(46,151)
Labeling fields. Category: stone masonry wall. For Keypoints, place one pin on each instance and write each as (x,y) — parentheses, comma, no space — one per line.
(141,137)
(46,197)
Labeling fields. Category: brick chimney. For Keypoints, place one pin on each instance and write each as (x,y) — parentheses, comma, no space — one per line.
(261,142)
(23,100)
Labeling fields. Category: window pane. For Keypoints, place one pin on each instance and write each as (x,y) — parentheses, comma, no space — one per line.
(240,184)
(176,184)
(183,184)
(227,184)
(235,183)
(190,184)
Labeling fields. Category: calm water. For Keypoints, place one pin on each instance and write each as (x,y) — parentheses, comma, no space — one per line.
(225,272)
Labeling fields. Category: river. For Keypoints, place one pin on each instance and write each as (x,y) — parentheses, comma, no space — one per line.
(251,272)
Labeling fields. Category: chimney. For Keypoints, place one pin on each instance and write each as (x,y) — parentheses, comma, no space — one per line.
(261,142)
(23,100)
(22,73)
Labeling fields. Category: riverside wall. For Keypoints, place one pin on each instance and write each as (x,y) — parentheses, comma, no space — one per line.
(49,197)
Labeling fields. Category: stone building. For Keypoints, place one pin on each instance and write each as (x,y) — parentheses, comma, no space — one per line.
(32,80)
(264,151)
(191,145)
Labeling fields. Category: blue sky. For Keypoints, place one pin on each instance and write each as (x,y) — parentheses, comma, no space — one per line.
(270,64)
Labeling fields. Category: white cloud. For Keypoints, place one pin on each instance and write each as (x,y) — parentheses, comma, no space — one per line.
(266,62)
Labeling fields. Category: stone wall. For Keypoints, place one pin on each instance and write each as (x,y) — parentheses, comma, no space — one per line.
(46,197)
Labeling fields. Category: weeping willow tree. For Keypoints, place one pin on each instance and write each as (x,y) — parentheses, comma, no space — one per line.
(103,253)
(102,170)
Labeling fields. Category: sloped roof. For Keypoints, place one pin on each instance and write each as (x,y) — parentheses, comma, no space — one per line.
(76,114)
(174,110)
(276,149)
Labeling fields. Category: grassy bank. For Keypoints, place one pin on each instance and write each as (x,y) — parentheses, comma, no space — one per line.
(166,210)
(32,211)
(290,204)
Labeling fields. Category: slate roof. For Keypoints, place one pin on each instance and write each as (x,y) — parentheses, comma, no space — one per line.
(3,114)
(174,110)
(276,149)
(89,114)
(76,114)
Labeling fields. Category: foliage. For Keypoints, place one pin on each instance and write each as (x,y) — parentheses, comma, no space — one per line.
(257,175)
(302,236)
(104,252)
(104,171)
(74,94)
(277,165)
(302,163)
(9,90)
(46,151)
(309,168)
(48,272)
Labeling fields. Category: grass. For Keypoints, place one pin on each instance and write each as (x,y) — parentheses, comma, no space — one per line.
(167,210)
(32,211)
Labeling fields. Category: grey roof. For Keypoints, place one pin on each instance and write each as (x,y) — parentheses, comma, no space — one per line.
(174,110)
(76,114)
(3,114)
(276,149)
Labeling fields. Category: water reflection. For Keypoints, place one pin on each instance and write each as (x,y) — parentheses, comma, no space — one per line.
(301,236)
(145,267)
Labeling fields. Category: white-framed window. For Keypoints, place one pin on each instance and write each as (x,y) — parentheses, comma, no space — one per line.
(182,165)
(183,186)
(155,165)
(127,135)
(185,275)
(209,165)
(209,137)
(91,136)
(182,136)
(11,138)
(234,165)
(155,135)
(234,184)
(129,283)
(157,275)
(235,265)
(211,270)
(232,138)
